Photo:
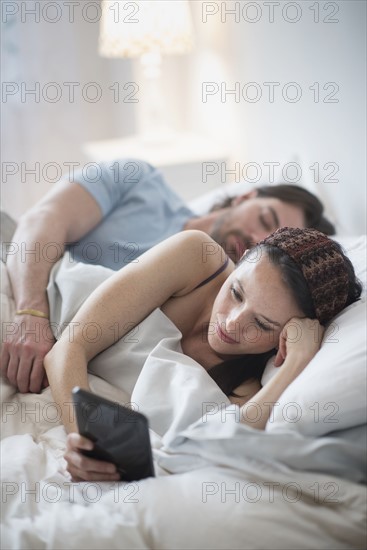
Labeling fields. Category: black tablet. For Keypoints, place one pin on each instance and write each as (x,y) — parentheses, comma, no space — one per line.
(120,435)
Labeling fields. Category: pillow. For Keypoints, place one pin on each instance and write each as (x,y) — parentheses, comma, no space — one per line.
(7,300)
(7,229)
(330,394)
(202,204)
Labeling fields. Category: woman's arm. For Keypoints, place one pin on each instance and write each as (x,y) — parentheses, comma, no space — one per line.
(172,268)
(299,342)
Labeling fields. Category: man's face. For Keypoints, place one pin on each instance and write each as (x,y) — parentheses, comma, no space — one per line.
(250,220)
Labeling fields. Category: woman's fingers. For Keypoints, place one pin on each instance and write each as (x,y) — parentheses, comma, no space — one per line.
(84,468)
(301,336)
(279,358)
(76,441)
(282,349)
(81,475)
(90,469)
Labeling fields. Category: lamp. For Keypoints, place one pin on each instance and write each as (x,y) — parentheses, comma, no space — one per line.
(147,29)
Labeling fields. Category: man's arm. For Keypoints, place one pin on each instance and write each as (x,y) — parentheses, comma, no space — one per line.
(65,215)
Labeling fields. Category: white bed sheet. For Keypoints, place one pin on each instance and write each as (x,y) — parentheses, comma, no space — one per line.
(207,494)
(216,501)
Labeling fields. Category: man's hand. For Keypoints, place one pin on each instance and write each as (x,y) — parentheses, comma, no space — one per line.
(28,340)
(83,468)
(64,215)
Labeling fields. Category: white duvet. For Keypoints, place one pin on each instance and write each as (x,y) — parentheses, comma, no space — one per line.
(219,484)
(222,499)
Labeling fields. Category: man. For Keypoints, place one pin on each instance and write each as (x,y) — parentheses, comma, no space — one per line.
(112,216)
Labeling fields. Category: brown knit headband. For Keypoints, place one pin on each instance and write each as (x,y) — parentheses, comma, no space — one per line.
(322,266)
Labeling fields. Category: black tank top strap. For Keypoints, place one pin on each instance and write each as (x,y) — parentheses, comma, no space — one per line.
(218,272)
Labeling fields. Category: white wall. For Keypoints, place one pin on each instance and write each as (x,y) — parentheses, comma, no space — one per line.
(305,132)
(226,51)
(36,130)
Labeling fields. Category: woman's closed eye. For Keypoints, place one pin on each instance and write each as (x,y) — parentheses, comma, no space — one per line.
(239,298)
(236,295)
(261,325)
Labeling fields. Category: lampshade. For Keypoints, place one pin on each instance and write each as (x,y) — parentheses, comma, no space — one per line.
(132,29)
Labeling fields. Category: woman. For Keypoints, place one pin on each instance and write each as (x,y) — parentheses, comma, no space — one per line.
(280,296)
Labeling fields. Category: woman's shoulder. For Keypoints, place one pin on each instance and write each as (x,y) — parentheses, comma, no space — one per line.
(207,252)
(205,257)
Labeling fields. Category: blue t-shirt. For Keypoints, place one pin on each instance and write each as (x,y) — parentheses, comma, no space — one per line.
(139,210)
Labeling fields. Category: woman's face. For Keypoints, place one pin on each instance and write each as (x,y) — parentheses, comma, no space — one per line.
(251,309)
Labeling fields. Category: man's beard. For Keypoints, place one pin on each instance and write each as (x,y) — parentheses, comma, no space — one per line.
(233,242)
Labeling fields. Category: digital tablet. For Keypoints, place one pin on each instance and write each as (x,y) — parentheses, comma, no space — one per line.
(120,435)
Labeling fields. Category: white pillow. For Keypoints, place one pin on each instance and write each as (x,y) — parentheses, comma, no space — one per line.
(330,394)
(201,205)
(7,307)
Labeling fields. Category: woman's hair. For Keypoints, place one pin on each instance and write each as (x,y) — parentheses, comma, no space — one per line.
(311,206)
(231,373)
(294,279)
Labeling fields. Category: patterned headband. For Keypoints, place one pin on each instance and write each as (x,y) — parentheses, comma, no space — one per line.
(322,265)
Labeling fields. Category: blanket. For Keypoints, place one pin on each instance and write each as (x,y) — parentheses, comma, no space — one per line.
(218,484)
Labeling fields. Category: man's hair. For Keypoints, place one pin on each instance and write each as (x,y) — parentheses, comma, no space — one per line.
(311,206)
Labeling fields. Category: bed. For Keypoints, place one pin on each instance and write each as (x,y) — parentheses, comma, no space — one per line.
(220,484)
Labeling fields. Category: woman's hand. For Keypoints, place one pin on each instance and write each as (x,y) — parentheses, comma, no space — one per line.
(84,468)
(299,340)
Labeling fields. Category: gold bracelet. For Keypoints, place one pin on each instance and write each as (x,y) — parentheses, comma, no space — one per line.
(34,312)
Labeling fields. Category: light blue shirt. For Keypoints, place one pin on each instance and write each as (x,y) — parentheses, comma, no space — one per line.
(139,210)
